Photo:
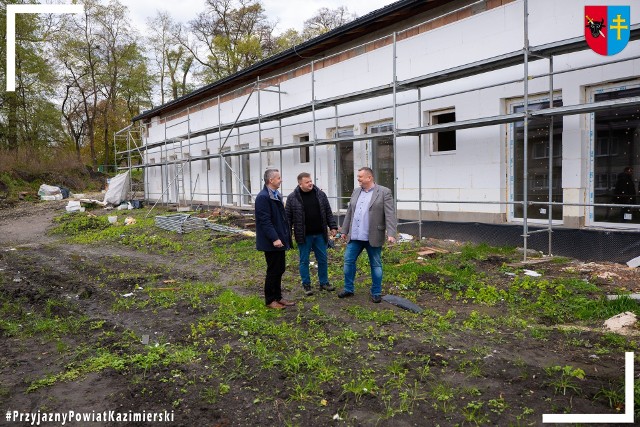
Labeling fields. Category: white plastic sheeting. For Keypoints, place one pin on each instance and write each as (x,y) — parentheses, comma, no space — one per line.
(118,189)
(49,192)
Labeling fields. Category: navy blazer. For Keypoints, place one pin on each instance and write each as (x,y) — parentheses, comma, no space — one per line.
(271,222)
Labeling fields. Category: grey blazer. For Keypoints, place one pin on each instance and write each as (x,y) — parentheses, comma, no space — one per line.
(382,215)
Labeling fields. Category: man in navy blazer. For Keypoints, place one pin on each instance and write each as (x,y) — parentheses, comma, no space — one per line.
(370,214)
(273,237)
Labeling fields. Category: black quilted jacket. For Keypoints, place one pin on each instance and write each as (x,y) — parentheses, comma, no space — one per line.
(295,214)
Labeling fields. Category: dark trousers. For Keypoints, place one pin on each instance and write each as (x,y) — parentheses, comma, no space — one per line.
(273,281)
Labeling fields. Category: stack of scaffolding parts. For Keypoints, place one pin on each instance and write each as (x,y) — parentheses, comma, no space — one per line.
(180,223)
(185,223)
(226,229)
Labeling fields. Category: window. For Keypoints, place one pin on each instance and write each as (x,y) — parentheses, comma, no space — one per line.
(344,159)
(152,161)
(541,150)
(382,155)
(538,163)
(443,141)
(541,182)
(304,151)
(341,133)
(604,181)
(615,148)
(606,147)
(228,174)
(270,155)
(245,174)
(207,162)
(381,128)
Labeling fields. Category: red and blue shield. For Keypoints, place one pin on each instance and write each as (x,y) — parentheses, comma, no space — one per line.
(607,28)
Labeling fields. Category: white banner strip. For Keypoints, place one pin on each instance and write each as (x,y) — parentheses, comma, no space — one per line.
(12,9)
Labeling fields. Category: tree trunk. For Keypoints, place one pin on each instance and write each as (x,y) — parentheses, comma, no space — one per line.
(12,121)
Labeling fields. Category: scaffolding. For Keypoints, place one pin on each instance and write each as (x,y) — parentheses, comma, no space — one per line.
(174,161)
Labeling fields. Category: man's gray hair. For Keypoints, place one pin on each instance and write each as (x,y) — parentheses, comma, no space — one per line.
(366,169)
(270,173)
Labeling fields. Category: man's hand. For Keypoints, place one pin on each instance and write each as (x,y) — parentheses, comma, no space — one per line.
(344,237)
(391,239)
(278,243)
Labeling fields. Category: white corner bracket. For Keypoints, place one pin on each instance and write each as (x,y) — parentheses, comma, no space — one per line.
(12,9)
(626,418)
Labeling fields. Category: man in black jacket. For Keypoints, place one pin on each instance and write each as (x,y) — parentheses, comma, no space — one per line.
(309,212)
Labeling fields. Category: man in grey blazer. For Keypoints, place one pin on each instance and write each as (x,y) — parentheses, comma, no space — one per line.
(370,214)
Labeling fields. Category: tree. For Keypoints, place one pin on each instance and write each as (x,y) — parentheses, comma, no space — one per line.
(28,118)
(326,20)
(72,113)
(102,65)
(228,36)
(288,39)
(323,21)
(172,60)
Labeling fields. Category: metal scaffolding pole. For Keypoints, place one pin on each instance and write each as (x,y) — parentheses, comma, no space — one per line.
(207,166)
(525,171)
(165,166)
(191,183)
(336,169)
(220,159)
(420,123)
(280,129)
(313,118)
(551,155)
(395,123)
(259,127)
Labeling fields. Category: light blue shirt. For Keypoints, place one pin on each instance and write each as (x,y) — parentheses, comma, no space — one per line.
(360,221)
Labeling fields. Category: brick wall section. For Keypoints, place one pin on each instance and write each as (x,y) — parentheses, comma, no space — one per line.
(351,53)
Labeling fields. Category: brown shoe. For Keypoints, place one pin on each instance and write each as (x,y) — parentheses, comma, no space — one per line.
(286,303)
(276,305)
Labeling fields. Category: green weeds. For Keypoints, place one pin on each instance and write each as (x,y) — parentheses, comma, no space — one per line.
(326,358)
(562,378)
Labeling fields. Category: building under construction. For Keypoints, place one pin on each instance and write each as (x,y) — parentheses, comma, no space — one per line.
(480,115)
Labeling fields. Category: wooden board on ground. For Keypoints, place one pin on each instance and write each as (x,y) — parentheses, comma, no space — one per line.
(530,262)
(430,251)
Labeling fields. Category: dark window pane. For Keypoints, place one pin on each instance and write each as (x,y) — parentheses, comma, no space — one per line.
(538,164)
(616,147)
(444,141)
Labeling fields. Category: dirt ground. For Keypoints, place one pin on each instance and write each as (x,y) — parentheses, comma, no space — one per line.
(38,268)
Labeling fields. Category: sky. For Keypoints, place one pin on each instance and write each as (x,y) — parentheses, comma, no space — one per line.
(288,13)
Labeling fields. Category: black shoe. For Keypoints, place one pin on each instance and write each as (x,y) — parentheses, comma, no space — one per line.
(376,299)
(307,290)
(327,287)
(345,294)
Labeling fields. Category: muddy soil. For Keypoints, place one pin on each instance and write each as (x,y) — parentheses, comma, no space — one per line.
(38,267)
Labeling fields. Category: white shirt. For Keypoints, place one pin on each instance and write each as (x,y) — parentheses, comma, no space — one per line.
(360,221)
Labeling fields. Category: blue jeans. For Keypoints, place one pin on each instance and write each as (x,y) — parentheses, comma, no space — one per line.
(351,254)
(319,246)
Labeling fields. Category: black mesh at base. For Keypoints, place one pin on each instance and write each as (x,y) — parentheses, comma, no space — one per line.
(586,245)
